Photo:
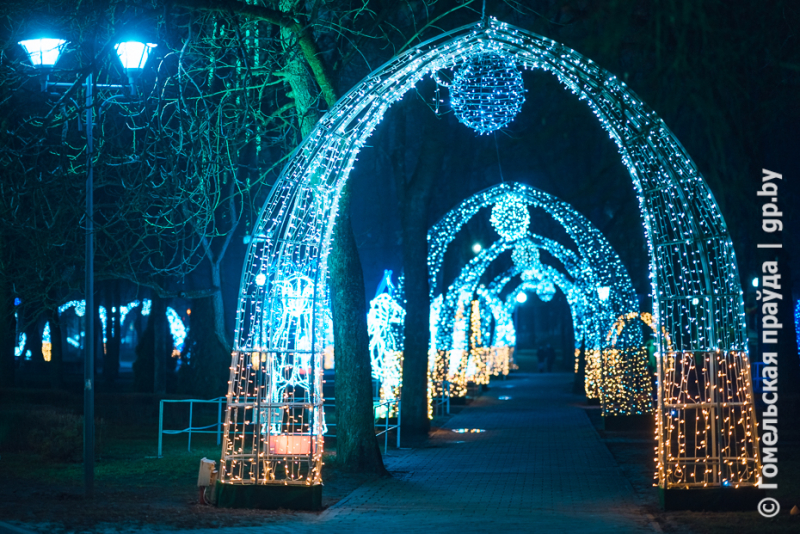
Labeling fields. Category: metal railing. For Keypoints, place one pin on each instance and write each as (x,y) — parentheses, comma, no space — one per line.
(386,425)
(191,429)
(441,405)
(220,401)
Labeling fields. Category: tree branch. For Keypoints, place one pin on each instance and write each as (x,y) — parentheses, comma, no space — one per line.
(305,39)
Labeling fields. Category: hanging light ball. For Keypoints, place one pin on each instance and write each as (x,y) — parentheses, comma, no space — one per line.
(510,218)
(545,290)
(525,255)
(487,92)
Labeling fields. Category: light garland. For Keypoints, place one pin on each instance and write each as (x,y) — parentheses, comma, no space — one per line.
(385,327)
(600,266)
(526,257)
(47,344)
(697,425)
(797,324)
(510,217)
(178,329)
(487,92)
(478,370)
(624,378)
(691,255)
(595,264)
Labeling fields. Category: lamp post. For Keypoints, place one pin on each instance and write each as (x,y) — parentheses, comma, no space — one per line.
(43,54)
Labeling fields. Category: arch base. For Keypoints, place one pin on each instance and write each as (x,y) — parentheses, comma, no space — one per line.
(711,499)
(269,496)
(635,422)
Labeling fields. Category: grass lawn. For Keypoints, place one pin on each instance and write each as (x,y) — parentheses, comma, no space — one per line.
(133,488)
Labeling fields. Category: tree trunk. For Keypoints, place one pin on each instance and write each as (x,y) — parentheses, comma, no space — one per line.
(158,317)
(786,349)
(33,339)
(414,218)
(356,444)
(8,337)
(579,383)
(56,351)
(113,333)
(218,305)
(207,369)
(357,447)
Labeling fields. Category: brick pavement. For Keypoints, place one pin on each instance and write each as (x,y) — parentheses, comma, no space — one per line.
(538,467)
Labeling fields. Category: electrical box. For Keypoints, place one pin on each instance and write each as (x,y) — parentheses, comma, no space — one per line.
(204,476)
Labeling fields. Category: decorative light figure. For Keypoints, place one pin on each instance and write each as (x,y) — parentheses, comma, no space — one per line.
(525,256)
(487,92)
(385,328)
(510,217)
(545,290)
(47,344)
(178,331)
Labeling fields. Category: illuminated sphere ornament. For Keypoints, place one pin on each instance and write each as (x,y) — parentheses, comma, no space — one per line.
(487,92)
(525,256)
(545,290)
(510,218)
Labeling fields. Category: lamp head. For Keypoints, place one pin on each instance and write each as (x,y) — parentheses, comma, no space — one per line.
(133,54)
(44,52)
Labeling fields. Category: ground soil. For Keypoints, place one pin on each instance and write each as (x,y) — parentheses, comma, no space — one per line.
(134,488)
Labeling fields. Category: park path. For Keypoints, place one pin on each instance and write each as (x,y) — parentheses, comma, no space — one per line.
(538,467)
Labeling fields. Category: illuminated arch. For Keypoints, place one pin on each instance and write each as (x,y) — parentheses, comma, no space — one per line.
(595,264)
(695,286)
(589,315)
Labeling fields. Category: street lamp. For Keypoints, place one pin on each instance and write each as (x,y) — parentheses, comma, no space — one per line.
(43,54)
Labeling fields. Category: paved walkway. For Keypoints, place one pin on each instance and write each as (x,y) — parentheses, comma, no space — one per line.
(539,466)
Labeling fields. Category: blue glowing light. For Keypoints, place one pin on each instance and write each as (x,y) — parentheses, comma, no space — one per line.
(487,92)
(20,345)
(43,52)
(133,54)
(385,327)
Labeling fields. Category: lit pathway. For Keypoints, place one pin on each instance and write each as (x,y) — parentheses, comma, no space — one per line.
(538,467)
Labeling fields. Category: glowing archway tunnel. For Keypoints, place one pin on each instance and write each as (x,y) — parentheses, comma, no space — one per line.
(599,289)
(695,285)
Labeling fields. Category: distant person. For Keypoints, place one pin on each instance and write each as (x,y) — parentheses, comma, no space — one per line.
(550,353)
(541,355)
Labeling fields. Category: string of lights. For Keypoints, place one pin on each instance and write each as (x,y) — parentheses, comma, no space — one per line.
(695,284)
(597,288)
